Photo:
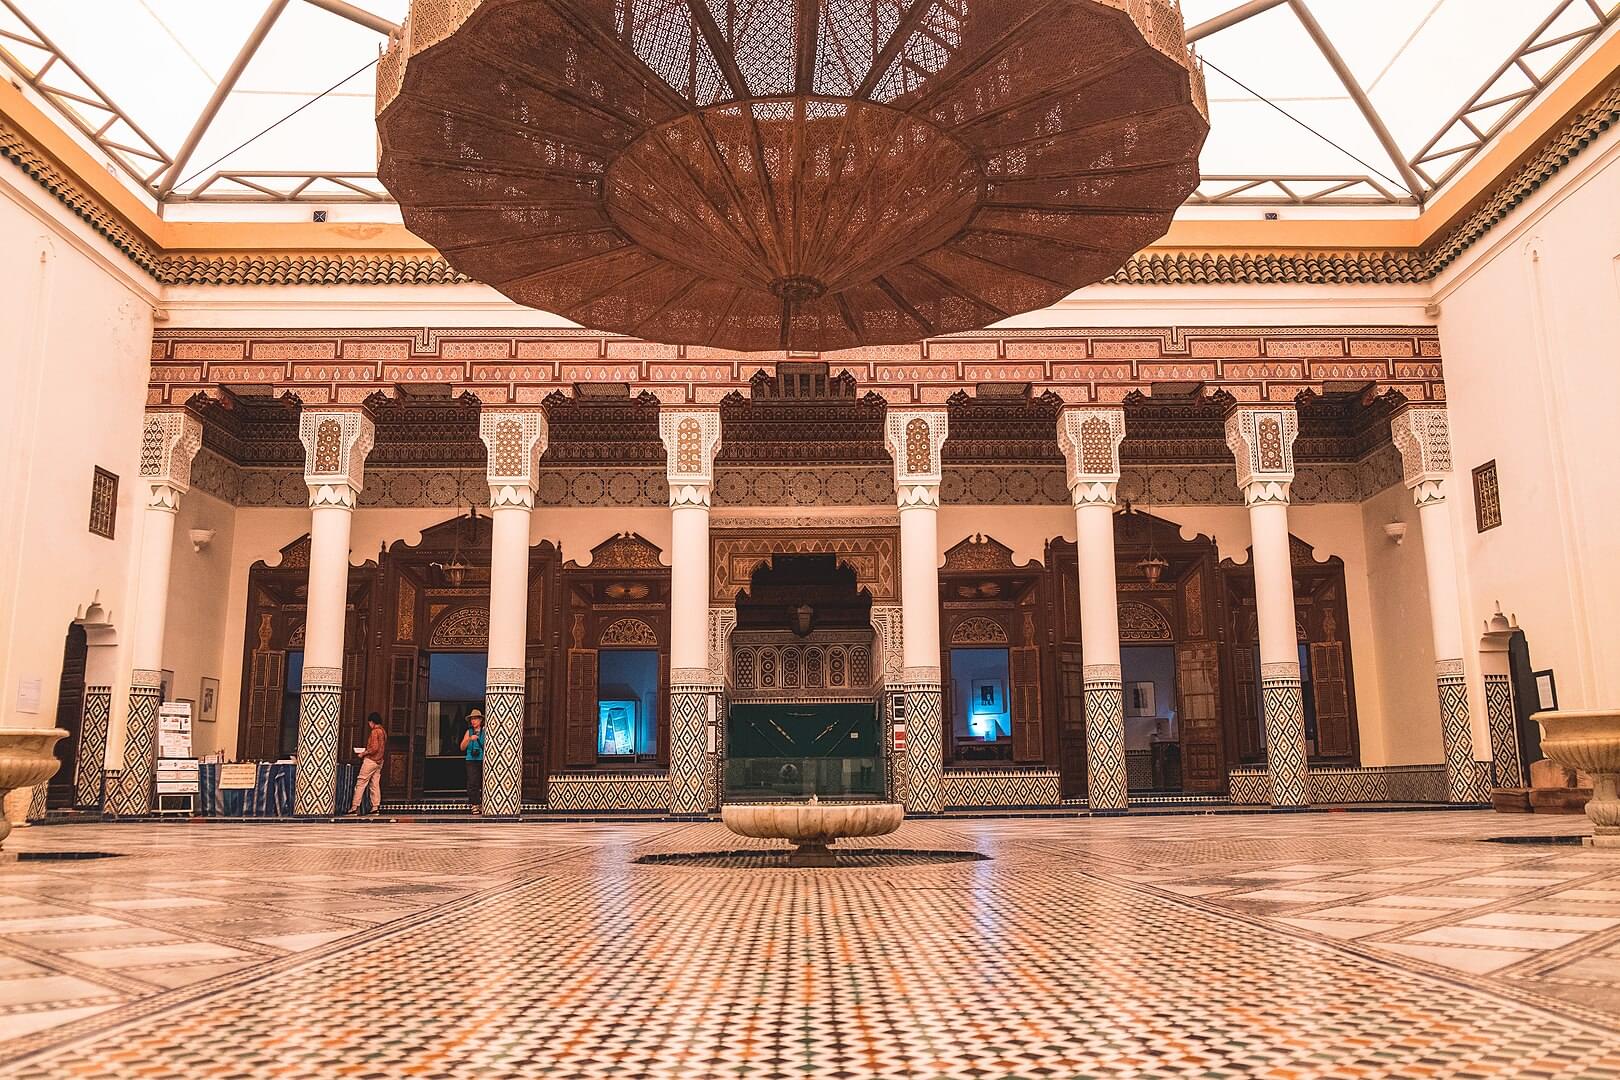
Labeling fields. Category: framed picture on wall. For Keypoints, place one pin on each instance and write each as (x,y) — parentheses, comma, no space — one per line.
(1140,700)
(1546,690)
(208,700)
(166,683)
(989,696)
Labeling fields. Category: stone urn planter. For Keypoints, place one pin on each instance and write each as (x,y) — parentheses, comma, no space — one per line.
(1590,742)
(27,757)
(812,826)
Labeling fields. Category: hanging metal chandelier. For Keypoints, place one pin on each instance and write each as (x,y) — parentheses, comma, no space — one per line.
(789,174)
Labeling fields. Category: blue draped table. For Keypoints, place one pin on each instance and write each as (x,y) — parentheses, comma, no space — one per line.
(270,796)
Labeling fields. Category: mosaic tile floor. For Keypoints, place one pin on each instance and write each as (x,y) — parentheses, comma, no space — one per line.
(1281,946)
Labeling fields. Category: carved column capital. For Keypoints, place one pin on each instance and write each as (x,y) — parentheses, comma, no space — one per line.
(514,440)
(336,443)
(1261,438)
(691,440)
(1090,438)
(916,441)
(1422,434)
(169,442)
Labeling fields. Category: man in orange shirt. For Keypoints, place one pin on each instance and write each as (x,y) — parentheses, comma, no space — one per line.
(371,762)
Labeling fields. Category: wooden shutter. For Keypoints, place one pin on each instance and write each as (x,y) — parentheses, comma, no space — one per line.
(1198,686)
(1250,728)
(1029,741)
(534,726)
(267,682)
(579,742)
(1072,723)
(1332,699)
(401,719)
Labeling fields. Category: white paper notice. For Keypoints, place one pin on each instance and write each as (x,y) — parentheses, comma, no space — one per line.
(28,696)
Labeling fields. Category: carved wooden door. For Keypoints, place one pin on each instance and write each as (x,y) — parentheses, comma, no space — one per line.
(579,735)
(260,738)
(1029,736)
(1198,685)
(1072,721)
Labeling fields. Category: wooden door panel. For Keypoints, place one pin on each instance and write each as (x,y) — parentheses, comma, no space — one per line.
(1072,723)
(579,742)
(1198,686)
(1331,690)
(1029,738)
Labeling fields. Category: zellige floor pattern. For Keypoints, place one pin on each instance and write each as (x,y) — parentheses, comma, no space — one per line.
(1283,946)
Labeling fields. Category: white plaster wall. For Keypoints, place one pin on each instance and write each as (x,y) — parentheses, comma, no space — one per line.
(1530,328)
(75,329)
(1401,640)
(199,597)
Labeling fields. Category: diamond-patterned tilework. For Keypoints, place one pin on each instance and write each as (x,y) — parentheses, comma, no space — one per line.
(1504,732)
(503,751)
(92,746)
(1285,740)
(1004,788)
(1228,946)
(925,752)
(688,751)
(1105,746)
(608,791)
(1464,780)
(133,797)
(315,793)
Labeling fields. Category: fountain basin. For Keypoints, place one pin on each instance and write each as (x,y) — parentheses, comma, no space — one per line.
(27,757)
(1589,741)
(812,826)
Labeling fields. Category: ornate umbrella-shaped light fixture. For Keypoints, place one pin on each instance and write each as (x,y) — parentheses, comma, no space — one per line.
(805,174)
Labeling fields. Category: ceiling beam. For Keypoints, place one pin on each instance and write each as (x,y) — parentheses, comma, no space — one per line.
(1231,18)
(1414,186)
(357,15)
(221,92)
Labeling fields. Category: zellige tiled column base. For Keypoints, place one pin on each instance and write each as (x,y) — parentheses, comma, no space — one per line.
(319,704)
(1465,780)
(689,749)
(503,743)
(1106,787)
(894,764)
(925,754)
(133,797)
(91,762)
(1509,773)
(1283,706)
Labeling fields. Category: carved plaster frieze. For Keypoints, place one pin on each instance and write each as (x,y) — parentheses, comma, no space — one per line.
(1261,438)
(170,440)
(1090,439)
(514,440)
(336,443)
(915,438)
(691,439)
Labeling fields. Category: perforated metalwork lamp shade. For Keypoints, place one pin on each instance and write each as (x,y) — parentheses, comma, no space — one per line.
(804,174)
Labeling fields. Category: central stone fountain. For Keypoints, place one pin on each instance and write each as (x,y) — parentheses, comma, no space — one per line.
(812,826)
(1589,741)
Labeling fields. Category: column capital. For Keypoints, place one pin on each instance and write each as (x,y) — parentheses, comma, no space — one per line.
(1090,437)
(514,440)
(1422,434)
(336,442)
(916,441)
(1261,438)
(691,440)
(170,440)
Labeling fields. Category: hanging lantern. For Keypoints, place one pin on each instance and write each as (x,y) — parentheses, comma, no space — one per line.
(1152,568)
(803,174)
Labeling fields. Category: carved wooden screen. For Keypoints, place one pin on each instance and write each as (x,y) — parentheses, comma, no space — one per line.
(1333,736)
(69,715)
(401,719)
(1246,703)
(1072,722)
(1198,686)
(534,726)
(1029,738)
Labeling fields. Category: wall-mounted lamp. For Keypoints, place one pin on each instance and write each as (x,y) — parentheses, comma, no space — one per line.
(1396,531)
(201,538)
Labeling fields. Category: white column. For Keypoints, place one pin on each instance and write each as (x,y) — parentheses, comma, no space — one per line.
(169,441)
(335,448)
(1090,438)
(514,441)
(915,439)
(691,439)
(1423,437)
(1261,438)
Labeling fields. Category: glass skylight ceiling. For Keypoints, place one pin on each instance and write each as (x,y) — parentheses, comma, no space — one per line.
(150,68)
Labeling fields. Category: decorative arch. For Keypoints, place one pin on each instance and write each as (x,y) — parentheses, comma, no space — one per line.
(295,636)
(462,628)
(979,630)
(1143,622)
(628,632)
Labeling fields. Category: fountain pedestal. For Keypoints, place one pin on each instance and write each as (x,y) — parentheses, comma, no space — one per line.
(27,757)
(812,826)
(1589,741)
